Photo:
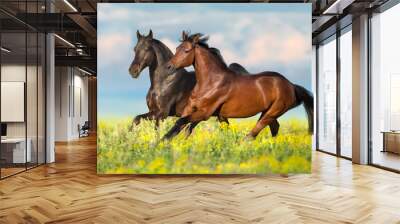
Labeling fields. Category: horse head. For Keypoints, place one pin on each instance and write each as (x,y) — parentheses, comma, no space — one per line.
(184,55)
(144,54)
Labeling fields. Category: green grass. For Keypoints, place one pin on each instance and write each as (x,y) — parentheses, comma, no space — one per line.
(212,148)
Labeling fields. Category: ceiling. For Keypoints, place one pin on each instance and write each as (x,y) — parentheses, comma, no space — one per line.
(75,22)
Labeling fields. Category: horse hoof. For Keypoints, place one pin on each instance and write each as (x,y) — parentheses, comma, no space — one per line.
(136,122)
(132,126)
(166,137)
(249,138)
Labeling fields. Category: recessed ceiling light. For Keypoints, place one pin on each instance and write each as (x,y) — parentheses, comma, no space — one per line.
(337,7)
(5,50)
(84,71)
(64,40)
(70,5)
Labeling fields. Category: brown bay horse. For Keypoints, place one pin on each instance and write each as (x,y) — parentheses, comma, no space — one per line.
(168,93)
(226,94)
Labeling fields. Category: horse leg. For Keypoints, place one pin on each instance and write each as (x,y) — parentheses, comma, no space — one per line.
(179,125)
(264,121)
(192,114)
(268,118)
(157,123)
(160,117)
(191,127)
(138,118)
(274,127)
(223,119)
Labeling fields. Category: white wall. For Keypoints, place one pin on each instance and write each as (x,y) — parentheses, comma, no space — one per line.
(80,109)
(12,73)
(71,94)
(13,101)
(33,127)
(16,73)
(62,82)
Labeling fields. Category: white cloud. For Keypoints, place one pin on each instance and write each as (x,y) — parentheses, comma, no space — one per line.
(260,40)
(258,49)
(276,48)
(114,14)
(113,47)
(170,43)
(141,17)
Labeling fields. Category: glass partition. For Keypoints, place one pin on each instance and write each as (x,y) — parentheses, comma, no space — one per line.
(31,100)
(14,153)
(41,97)
(327,96)
(22,77)
(346,93)
(385,89)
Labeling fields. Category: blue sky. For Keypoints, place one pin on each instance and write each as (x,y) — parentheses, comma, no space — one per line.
(261,37)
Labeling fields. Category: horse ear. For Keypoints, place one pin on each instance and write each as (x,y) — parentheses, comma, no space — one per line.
(150,35)
(184,36)
(138,34)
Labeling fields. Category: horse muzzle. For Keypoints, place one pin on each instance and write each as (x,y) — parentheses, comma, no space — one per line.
(170,68)
(134,71)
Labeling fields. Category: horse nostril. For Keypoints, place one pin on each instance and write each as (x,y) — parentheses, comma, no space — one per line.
(134,71)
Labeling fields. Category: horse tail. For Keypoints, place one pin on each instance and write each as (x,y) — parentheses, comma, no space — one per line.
(304,96)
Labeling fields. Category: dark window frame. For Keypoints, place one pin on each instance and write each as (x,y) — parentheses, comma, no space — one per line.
(31,30)
(381,9)
(334,37)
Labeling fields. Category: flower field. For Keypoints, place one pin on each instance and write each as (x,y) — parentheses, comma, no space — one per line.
(213,148)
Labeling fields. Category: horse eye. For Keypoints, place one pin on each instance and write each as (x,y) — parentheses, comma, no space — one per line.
(187,50)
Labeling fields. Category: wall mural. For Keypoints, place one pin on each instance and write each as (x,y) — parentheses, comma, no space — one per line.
(204,88)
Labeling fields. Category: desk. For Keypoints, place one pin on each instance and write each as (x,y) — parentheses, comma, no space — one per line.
(15,148)
(391,141)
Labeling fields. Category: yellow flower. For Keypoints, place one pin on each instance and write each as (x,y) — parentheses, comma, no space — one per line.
(141,163)
(212,148)
(245,166)
(156,164)
(109,154)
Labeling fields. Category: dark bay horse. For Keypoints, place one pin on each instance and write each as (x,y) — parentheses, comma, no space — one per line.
(231,95)
(168,94)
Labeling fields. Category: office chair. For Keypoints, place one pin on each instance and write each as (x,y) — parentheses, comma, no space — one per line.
(84,130)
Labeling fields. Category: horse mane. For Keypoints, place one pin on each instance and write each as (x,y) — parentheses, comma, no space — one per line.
(158,45)
(217,53)
(202,41)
